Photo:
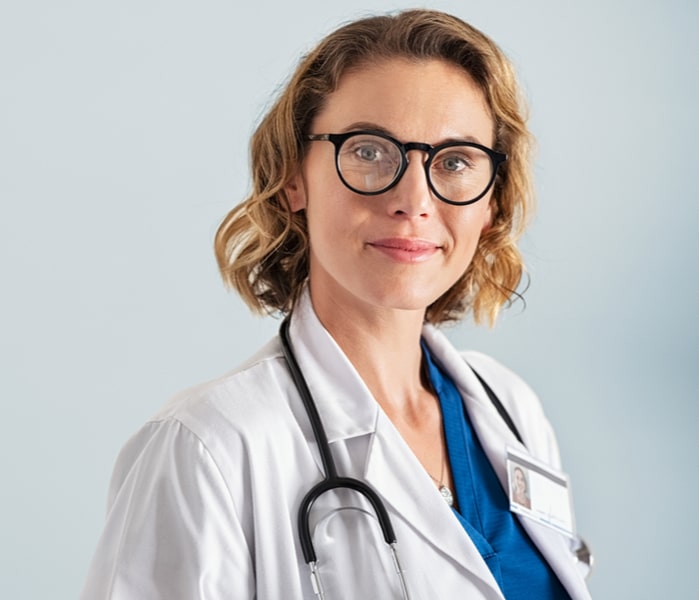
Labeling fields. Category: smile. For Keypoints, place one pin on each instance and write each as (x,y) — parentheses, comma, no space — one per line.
(406,250)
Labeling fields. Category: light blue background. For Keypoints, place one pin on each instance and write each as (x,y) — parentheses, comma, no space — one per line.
(123,142)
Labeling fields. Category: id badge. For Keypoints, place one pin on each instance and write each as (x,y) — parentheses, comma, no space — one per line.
(538,492)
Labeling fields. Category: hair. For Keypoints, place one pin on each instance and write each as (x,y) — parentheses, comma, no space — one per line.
(262,247)
(522,472)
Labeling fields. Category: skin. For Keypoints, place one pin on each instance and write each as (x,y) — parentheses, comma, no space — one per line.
(520,484)
(520,487)
(377,262)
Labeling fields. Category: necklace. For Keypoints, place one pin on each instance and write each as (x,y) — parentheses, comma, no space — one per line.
(442,488)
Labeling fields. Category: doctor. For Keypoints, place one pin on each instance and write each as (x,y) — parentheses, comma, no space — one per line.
(390,183)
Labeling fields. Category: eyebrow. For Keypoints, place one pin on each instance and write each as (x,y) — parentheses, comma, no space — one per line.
(374,128)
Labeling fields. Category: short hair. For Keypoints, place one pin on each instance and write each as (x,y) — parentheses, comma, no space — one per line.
(262,246)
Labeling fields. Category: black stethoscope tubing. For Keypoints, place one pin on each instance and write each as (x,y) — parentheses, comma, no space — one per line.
(331,479)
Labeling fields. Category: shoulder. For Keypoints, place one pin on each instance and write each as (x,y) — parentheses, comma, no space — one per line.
(521,402)
(511,389)
(169,503)
(211,446)
(518,398)
(244,401)
(224,425)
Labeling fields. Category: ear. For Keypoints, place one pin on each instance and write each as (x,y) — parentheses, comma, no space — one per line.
(296,192)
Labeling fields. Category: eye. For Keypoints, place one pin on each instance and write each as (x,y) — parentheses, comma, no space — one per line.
(461,161)
(454,162)
(367,150)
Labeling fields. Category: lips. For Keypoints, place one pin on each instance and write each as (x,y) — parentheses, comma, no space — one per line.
(406,250)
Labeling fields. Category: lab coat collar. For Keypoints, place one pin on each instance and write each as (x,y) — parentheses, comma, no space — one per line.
(344,402)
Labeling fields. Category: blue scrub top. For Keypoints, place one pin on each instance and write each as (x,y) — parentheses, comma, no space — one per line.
(483,506)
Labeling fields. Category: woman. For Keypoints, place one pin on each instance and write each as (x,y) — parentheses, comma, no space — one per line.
(383,205)
(520,491)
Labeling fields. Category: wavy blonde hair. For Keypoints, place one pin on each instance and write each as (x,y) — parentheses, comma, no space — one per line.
(262,246)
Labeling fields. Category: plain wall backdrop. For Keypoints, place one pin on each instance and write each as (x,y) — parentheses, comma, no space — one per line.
(124,129)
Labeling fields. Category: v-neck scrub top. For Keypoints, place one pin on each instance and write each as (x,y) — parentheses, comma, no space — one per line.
(482,506)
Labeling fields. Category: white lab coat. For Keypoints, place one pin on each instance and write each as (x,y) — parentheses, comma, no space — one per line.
(203,500)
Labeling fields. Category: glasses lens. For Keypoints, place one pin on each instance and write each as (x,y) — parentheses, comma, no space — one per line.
(461,173)
(368,163)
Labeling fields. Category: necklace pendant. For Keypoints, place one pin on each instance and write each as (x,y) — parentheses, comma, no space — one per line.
(447,495)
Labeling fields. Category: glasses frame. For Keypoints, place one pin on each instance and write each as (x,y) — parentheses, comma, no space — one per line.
(338,139)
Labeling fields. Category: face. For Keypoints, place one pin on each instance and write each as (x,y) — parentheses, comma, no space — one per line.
(519,481)
(400,250)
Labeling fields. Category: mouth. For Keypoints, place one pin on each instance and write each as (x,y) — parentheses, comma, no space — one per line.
(406,250)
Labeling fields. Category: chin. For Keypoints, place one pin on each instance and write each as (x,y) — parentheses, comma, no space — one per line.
(409,300)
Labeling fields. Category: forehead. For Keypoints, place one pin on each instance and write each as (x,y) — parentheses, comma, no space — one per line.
(428,101)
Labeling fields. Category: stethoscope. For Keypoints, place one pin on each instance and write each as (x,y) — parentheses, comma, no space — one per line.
(331,480)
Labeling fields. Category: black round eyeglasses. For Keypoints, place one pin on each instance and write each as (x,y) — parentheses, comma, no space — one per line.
(371,163)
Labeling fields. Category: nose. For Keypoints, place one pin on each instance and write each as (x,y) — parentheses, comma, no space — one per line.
(412,197)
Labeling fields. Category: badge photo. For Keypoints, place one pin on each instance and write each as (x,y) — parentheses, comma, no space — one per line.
(539,492)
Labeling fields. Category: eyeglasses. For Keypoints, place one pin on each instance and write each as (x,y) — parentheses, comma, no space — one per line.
(371,163)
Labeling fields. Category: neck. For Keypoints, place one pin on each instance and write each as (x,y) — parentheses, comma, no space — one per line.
(384,347)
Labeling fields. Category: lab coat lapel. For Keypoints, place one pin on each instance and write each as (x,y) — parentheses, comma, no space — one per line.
(394,471)
(495,436)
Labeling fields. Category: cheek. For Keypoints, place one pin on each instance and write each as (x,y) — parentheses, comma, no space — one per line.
(467,230)
(330,217)
(487,219)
